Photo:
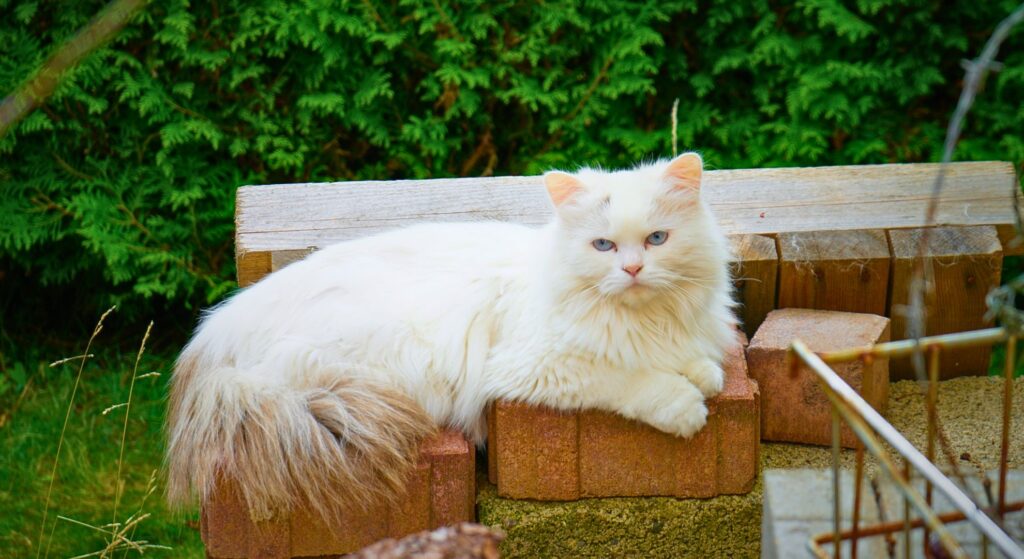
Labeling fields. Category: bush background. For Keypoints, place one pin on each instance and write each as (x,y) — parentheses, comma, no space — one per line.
(120,189)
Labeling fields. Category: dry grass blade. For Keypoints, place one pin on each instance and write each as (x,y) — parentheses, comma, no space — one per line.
(150,488)
(118,539)
(127,412)
(66,359)
(675,127)
(60,441)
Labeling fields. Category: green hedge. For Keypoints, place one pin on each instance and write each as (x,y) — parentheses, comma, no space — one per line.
(123,183)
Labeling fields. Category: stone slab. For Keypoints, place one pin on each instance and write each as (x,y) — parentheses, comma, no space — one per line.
(798,506)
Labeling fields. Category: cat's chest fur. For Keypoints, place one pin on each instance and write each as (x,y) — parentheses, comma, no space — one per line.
(609,339)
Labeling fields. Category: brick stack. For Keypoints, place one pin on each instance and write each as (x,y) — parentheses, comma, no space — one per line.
(441,491)
(540,453)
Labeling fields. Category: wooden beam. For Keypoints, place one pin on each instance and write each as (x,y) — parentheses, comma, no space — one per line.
(966,262)
(272,218)
(834,271)
(755,277)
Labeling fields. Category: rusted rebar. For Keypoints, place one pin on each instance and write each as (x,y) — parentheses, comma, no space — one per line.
(891,527)
(933,398)
(866,422)
(858,474)
(1004,449)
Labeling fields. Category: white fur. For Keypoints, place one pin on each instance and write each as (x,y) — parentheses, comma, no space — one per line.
(457,315)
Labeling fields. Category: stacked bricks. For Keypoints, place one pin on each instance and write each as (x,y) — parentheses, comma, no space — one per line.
(540,453)
(794,406)
(440,492)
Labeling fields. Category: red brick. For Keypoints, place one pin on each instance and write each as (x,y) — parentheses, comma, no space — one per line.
(540,453)
(441,491)
(795,408)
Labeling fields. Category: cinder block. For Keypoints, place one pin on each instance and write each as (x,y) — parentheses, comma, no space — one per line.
(440,491)
(795,408)
(798,506)
(540,453)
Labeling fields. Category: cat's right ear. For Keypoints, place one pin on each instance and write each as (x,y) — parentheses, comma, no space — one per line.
(561,187)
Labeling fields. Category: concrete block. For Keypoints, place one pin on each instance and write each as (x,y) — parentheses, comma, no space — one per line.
(540,453)
(440,491)
(964,533)
(795,408)
(798,506)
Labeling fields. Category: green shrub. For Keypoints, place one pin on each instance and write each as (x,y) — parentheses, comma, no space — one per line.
(124,181)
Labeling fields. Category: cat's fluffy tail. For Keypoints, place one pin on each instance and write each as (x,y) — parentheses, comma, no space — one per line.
(328,442)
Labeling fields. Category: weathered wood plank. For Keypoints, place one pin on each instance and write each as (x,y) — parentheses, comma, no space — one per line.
(966,262)
(834,271)
(749,201)
(251,266)
(755,277)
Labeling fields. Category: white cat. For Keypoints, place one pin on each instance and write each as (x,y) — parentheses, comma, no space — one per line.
(315,385)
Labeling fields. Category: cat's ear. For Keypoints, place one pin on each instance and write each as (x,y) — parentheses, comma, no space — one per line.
(684,172)
(561,186)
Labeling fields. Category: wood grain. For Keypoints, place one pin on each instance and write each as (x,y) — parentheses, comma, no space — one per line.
(297,218)
(755,272)
(748,201)
(966,262)
(834,271)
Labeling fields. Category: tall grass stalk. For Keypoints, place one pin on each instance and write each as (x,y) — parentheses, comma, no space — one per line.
(60,441)
(127,412)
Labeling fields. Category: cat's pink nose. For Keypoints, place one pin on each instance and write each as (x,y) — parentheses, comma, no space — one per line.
(633,269)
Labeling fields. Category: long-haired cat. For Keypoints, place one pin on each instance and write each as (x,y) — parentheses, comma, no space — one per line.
(316,384)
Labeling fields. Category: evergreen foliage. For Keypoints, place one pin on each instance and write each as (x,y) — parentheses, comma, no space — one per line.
(123,182)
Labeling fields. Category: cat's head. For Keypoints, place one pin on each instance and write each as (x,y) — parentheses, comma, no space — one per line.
(632,235)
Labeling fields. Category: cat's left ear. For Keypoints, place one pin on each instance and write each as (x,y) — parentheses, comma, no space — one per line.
(561,187)
(684,172)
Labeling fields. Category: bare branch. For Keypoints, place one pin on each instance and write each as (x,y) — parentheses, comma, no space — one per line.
(39,87)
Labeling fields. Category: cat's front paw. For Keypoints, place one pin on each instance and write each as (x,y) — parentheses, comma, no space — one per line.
(681,416)
(707,376)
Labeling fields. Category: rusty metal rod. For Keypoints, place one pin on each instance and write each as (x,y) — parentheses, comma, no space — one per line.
(903,348)
(858,483)
(900,478)
(906,513)
(932,402)
(841,392)
(1004,450)
(837,510)
(894,526)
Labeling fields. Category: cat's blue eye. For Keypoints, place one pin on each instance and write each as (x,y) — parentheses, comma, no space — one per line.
(603,245)
(657,238)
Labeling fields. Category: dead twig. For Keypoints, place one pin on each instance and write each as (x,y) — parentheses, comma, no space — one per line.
(975,72)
